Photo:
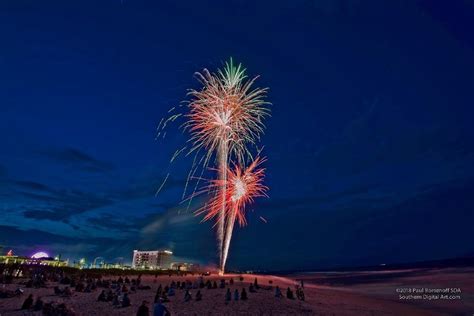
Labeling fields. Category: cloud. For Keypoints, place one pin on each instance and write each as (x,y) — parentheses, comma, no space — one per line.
(360,234)
(110,220)
(31,185)
(352,195)
(35,200)
(117,211)
(180,215)
(148,185)
(77,159)
(39,214)
(62,204)
(26,241)
(13,236)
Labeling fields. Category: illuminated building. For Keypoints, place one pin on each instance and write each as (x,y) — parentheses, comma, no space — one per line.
(40,255)
(184,266)
(156,259)
(39,258)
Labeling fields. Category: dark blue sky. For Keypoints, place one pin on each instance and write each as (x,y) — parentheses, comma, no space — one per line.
(370,145)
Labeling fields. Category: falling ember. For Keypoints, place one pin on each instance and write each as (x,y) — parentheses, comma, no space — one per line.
(263,219)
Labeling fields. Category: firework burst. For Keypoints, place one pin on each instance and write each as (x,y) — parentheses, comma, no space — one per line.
(225,117)
(226,111)
(225,121)
(243,186)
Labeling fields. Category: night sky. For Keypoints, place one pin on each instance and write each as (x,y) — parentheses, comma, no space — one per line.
(370,144)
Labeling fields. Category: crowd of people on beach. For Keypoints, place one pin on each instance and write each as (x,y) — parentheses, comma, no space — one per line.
(113,290)
(116,291)
(47,309)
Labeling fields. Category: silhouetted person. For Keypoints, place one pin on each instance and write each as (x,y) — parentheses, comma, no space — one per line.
(198,295)
(159,309)
(88,288)
(255,284)
(228,296)
(159,291)
(102,297)
(187,296)
(214,285)
(243,294)
(110,296)
(28,303)
(164,298)
(125,300)
(67,291)
(278,292)
(300,293)
(38,304)
(289,294)
(115,301)
(143,309)
(236,295)
(57,290)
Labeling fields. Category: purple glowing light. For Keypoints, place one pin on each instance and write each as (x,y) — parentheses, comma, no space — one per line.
(40,255)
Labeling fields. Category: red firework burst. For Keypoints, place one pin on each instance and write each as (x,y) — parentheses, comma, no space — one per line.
(243,186)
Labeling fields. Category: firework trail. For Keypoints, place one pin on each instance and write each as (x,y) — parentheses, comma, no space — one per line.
(225,117)
(225,121)
(243,186)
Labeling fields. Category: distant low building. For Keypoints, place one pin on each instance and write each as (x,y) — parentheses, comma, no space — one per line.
(39,258)
(184,266)
(156,259)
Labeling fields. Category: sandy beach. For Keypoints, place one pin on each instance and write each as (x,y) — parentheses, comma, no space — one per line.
(325,294)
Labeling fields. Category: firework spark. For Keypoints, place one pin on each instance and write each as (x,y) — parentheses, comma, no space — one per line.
(224,117)
(243,186)
(226,111)
(225,121)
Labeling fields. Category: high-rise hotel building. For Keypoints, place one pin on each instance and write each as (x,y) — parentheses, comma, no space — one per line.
(155,259)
